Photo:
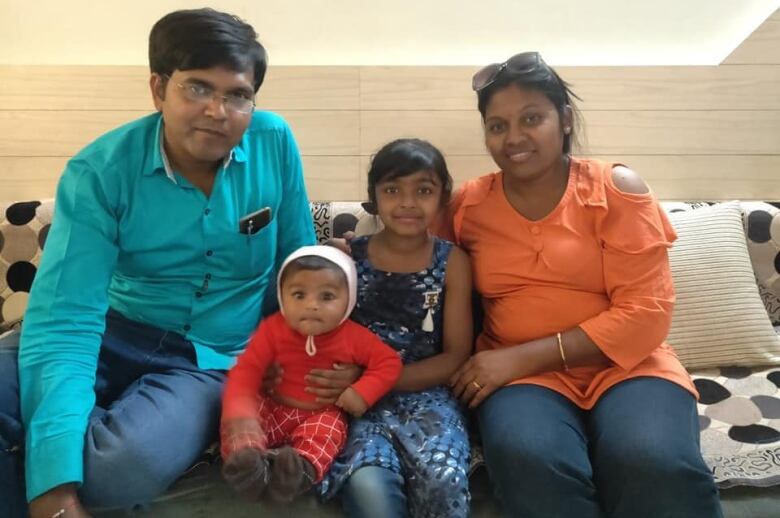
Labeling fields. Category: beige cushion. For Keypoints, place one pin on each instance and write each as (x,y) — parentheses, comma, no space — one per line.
(719,318)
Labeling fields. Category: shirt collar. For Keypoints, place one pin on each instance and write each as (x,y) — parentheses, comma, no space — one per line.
(160,162)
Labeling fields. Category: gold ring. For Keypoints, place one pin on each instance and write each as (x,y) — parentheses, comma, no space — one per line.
(476,384)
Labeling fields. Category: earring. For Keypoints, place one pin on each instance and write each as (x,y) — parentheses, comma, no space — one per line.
(566,130)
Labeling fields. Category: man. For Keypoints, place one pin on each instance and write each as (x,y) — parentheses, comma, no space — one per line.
(166,238)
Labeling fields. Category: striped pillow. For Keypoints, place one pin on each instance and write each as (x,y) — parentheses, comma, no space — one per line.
(719,318)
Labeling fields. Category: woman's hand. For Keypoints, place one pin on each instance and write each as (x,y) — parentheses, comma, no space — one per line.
(482,374)
(343,243)
(328,385)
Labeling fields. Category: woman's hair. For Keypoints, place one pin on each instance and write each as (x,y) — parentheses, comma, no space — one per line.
(403,157)
(204,38)
(310,263)
(542,78)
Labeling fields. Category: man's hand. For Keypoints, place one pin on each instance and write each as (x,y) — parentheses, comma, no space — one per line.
(352,402)
(328,385)
(60,502)
(272,377)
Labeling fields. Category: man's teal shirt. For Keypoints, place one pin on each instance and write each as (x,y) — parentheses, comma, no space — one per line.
(130,233)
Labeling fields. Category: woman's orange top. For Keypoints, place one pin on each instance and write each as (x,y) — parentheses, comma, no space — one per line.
(598,261)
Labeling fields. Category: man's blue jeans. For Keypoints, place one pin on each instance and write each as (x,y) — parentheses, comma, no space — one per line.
(155,414)
(635,454)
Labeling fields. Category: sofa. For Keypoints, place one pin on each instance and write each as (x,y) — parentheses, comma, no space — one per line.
(726,267)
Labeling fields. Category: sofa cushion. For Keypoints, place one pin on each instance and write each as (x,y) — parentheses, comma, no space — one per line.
(762,228)
(23,230)
(739,417)
(719,318)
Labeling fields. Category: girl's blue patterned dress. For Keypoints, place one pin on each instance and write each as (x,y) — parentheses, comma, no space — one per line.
(420,435)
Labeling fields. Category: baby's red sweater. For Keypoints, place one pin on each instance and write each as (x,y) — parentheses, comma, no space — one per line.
(275,341)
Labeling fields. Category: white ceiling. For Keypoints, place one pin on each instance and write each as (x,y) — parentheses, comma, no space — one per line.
(399,32)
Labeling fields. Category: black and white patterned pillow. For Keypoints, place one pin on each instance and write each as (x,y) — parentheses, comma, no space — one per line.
(762,228)
(23,230)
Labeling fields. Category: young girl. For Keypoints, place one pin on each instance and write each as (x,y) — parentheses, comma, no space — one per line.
(409,454)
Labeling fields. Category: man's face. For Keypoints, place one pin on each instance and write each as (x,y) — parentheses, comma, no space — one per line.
(198,109)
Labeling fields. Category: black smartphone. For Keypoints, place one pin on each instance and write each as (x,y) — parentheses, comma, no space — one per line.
(255,221)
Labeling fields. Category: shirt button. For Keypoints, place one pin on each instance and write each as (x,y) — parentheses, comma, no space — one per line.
(187,327)
(535,231)
(209,252)
(198,294)
(206,212)
(208,276)
(538,247)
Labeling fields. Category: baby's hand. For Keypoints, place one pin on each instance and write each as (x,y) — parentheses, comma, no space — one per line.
(352,402)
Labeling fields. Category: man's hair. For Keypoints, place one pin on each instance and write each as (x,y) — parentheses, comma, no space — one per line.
(310,263)
(204,38)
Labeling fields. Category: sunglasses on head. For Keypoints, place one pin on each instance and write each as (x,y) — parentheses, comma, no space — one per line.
(517,64)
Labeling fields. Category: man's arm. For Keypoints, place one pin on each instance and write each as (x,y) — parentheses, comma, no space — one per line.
(295,225)
(62,329)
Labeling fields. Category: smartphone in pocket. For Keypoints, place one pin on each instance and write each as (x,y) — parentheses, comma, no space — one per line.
(254,222)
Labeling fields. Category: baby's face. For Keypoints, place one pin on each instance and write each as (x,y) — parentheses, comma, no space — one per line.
(314,301)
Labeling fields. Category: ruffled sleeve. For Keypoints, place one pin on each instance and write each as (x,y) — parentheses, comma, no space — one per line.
(635,237)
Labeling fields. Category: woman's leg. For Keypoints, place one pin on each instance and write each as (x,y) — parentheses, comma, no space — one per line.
(537,454)
(374,492)
(645,450)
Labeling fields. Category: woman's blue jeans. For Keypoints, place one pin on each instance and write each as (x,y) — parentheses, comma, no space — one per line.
(634,455)
(156,412)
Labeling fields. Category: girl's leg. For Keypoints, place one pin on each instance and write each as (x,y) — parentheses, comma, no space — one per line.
(645,451)
(374,492)
(434,452)
(536,453)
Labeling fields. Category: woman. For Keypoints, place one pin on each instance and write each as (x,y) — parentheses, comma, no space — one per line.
(583,409)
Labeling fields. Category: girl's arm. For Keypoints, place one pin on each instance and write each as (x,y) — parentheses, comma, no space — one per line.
(458,330)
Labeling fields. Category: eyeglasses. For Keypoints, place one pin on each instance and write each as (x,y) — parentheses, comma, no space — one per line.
(517,64)
(203,94)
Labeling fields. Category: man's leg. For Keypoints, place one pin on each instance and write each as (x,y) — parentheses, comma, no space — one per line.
(537,454)
(138,446)
(645,451)
(156,412)
(13,502)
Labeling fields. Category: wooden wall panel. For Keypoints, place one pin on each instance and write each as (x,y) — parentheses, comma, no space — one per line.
(607,132)
(762,47)
(127,88)
(328,177)
(601,88)
(63,133)
(692,132)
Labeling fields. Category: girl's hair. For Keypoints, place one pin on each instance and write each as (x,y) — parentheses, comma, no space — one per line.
(310,263)
(403,157)
(542,78)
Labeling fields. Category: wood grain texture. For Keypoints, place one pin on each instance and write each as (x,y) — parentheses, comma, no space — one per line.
(64,133)
(606,132)
(127,88)
(762,47)
(600,88)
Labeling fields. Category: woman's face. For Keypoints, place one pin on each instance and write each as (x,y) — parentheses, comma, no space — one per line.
(524,132)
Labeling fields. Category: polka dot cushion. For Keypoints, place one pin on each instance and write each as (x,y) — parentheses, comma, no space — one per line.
(23,230)
(762,228)
(739,417)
